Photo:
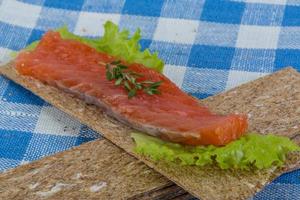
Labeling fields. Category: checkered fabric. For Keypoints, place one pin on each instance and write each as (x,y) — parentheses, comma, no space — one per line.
(208,46)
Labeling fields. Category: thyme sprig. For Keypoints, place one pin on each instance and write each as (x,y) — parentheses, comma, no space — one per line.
(128,79)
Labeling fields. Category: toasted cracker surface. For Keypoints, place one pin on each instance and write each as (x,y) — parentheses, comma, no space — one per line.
(94,170)
(278,95)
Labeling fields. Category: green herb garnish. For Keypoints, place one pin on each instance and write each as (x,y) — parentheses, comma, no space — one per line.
(128,79)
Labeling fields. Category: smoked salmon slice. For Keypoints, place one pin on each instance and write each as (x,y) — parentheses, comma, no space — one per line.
(171,115)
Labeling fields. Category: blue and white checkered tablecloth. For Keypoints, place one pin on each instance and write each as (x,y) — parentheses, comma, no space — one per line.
(208,46)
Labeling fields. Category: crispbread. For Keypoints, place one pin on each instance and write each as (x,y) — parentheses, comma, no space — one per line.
(207,182)
(77,171)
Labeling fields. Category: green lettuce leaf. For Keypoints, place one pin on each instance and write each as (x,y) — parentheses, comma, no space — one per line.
(66,34)
(251,150)
(117,43)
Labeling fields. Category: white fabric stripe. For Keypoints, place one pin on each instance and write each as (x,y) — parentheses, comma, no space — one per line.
(176,30)
(55,122)
(175,73)
(236,78)
(18,13)
(5,55)
(91,24)
(279,2)
(259,37)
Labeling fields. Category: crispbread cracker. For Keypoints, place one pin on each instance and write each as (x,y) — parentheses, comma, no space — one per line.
(78,171)
(206,182)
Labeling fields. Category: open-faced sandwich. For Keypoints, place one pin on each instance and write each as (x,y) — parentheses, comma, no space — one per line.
(114,74)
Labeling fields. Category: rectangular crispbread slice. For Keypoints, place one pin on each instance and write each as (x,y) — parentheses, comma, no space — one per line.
(272,103)
(94,170)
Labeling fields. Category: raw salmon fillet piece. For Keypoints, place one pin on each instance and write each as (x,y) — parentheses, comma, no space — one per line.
(172,115)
